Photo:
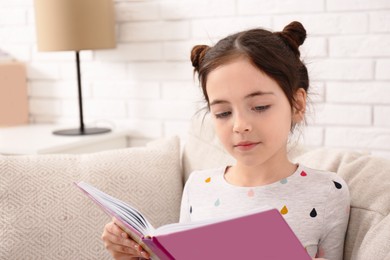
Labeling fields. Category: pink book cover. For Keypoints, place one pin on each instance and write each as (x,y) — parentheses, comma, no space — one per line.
(263,235)
(257,235)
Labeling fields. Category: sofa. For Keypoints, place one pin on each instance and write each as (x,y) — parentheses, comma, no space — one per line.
(43,215)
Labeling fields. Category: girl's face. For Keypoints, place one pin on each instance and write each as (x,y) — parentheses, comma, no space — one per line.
(251,114)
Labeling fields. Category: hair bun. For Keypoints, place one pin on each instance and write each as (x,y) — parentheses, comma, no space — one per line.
(294,34)
(197,55)
(296,31)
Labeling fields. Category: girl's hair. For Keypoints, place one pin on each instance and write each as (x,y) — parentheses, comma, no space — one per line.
(274,53)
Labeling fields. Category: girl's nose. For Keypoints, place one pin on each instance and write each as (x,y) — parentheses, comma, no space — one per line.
(241,124)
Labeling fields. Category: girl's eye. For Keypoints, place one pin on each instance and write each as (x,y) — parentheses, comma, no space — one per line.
(223,114)
(261,108)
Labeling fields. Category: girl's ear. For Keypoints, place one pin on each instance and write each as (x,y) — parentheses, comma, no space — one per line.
(299,106)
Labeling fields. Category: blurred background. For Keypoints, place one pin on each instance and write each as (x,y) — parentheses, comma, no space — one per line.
(146,83)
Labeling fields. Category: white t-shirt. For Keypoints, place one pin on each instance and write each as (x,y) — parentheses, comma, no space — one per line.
(314,203)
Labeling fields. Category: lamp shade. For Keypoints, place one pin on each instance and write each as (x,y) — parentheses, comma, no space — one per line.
(64,25)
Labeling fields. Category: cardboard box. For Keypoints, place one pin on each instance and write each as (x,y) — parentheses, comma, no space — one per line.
(13,94)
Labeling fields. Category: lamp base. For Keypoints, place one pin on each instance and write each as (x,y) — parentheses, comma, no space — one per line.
(86,131)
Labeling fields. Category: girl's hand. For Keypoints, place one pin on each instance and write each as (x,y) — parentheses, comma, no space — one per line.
(119,244)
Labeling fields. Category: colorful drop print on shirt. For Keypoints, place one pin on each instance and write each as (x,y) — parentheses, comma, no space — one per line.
(283,181)
(313,213)
(251,193)
(284,210)
(208,180)
(217,203)
(337,185)
(303,174)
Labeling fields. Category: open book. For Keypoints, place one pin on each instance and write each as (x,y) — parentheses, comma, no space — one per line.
(259,234)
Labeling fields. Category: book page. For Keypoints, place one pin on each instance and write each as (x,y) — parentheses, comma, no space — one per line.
(118,209)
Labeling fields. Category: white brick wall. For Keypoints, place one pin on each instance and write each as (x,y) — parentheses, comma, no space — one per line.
(147,84)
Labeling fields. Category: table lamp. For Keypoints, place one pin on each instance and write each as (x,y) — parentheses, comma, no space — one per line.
(75,25)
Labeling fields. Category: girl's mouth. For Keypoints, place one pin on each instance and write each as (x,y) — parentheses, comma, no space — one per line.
(245,146)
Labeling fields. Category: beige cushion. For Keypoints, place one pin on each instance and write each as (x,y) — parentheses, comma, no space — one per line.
(44,216)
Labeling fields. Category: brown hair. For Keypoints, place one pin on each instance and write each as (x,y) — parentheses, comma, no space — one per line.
(276,54)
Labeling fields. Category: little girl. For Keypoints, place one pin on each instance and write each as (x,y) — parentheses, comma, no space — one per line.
(255,86)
